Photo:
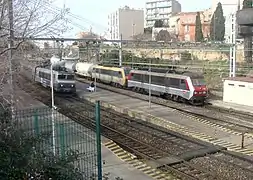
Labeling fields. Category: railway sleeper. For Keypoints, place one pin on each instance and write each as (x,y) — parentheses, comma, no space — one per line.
(200,153)
(174,160)
(191,171)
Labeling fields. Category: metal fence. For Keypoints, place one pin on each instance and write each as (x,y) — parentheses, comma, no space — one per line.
(63,135)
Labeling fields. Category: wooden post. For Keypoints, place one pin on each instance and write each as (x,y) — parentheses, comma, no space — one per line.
(242,143)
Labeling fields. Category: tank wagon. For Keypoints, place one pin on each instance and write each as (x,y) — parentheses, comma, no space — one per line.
(84,69)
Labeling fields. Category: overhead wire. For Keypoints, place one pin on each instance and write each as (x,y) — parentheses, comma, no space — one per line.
(59,14)
(55,10)
(78,17)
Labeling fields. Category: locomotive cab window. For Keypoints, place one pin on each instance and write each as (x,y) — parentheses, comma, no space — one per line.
(182,84)
(70,77)
(119,74)
(61,77)
(198,82)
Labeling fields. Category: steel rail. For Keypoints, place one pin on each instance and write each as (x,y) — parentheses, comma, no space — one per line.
(180,107)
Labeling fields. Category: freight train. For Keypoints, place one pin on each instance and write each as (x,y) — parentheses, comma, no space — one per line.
(170,84)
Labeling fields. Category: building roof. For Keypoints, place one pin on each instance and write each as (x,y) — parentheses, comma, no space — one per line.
(188,13)
(242,79)
(88,35)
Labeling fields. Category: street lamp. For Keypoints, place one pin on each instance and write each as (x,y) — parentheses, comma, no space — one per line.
(132,59)
(120,51)
(98,56)
(53,107)
(149,87)
(133,33)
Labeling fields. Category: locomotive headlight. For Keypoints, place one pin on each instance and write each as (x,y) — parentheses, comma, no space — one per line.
(195,92)
(204,92)
(61,85)
(72,85)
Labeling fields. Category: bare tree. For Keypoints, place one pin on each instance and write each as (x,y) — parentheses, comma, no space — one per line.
(31,18)
(143,37)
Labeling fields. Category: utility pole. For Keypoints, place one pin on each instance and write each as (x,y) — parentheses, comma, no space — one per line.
(133,34)
(120,51)
(233,35)
(232,59)
(149,82)
(214,17)
(10,52)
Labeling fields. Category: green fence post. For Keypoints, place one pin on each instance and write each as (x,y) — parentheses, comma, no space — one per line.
(36,123)
(62,140)
(98,137)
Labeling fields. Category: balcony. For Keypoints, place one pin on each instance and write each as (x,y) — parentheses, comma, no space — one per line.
(158,7)
(152,18)
(245,31)
(165,13)
(151,8)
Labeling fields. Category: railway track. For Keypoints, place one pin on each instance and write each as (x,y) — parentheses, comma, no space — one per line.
(146,152)
(119,131)
(234,121)
(143,140)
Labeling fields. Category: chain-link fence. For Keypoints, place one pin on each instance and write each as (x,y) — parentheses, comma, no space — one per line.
(62,136)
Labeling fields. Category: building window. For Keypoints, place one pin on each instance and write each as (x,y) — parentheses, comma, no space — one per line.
(186,29)
(187,37)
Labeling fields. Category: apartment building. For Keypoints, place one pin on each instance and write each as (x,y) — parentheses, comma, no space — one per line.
(186,22)
(160,10)
(126,22)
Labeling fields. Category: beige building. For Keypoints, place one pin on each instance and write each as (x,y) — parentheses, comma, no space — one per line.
(125,21)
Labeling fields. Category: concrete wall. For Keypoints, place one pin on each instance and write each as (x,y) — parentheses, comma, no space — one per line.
(238,92)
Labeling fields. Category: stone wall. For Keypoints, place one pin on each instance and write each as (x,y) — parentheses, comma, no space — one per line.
(196,54)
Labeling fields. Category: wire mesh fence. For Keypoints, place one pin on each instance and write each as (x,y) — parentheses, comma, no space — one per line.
(61,136)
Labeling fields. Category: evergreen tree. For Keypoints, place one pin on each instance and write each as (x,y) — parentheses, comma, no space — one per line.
(217,26)
(247,4)
(158,23)
(198,29)
(163,35)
